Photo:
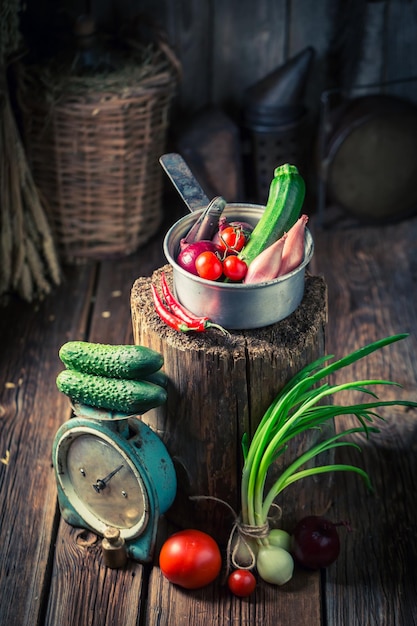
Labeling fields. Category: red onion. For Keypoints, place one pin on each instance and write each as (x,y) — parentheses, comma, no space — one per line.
(187,256)
(316,543)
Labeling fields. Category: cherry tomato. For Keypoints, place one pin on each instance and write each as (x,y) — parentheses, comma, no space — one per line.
(234,268)
(241,583)
(208,265)
(190,559)
(232,238)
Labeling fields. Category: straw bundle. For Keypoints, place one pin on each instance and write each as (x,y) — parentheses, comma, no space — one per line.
(28,261)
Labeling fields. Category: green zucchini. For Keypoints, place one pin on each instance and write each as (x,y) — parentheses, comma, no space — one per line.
(125,361)
(133,397)
(285,200)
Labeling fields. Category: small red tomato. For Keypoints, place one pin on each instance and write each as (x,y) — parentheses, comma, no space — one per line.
(209,266)
(232,238)
(234,268)
(241,583)
(190,559)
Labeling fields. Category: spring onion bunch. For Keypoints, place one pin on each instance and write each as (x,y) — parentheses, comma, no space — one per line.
(296,409)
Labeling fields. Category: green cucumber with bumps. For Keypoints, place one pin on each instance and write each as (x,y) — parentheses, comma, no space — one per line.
(285,201)
(157,378)
(133,397)
(113,361)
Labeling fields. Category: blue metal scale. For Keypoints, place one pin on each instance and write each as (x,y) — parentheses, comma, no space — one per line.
(112,470)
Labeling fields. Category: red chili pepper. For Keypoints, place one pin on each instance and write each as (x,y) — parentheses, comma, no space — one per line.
(177,308)
(166,315)
(197,324)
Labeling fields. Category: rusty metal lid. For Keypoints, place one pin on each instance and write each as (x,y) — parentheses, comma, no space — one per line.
(278,98)
(371,161)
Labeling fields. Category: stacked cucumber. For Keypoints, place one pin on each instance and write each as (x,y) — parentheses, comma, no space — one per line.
(125,378)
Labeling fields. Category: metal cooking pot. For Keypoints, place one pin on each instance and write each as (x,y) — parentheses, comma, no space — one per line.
(233,305)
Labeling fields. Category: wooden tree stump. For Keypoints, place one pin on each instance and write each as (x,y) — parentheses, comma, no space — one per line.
(220,387)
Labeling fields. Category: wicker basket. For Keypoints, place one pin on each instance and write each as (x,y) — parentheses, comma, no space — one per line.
(93,145)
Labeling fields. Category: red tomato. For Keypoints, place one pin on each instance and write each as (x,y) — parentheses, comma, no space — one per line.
(232,238)
(234,268)
(208,265)
(241,582)
(191,559)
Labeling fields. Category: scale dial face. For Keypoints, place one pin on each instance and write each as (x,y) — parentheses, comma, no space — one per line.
(102,483)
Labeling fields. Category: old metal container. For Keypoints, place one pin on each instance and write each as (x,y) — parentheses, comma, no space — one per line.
(369,156)
(232,305)
(277,123)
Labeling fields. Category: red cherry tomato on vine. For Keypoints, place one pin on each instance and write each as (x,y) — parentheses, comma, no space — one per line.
(241,583)
(190,559)
(234,268)
(232,238)
(209,266)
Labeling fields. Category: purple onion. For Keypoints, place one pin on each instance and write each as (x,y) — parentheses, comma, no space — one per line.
(189,253)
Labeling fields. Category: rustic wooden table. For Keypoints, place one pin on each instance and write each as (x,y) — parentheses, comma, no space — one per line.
(52,574)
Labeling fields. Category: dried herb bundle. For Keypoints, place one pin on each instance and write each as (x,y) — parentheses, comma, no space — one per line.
(28,261)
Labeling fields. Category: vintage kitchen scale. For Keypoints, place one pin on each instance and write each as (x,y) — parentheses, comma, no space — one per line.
(113,471)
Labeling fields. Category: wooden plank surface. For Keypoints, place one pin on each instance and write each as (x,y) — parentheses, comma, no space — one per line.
(190,26)
(309,24)
(296,603)
(93,594)
(248,43)
(31,410)
(83,591)
(56,571)
(225,46)
(400,52)
(373,293)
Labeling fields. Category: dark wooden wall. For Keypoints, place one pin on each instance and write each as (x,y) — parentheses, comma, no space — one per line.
(226,45)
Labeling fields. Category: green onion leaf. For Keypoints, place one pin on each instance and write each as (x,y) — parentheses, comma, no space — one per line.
(300,407)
